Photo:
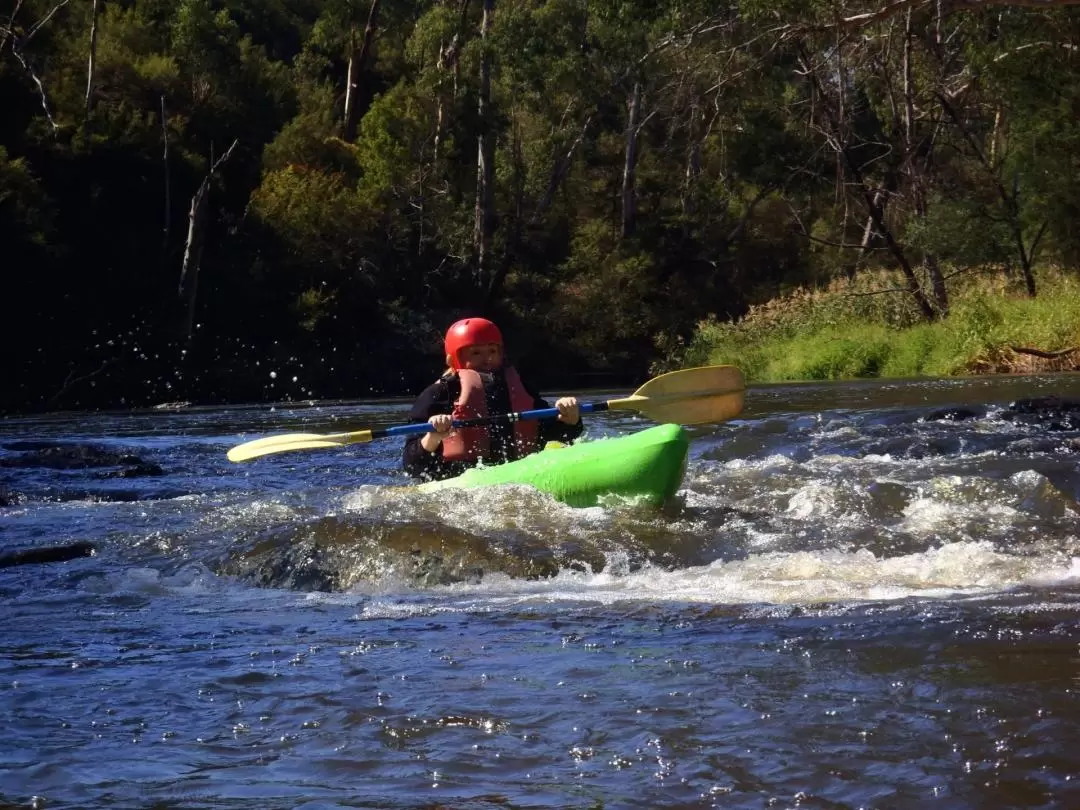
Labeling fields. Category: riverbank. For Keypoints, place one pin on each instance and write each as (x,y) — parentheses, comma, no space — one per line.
(870,327)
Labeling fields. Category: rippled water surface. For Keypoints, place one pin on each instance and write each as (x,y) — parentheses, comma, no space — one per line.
(865,595)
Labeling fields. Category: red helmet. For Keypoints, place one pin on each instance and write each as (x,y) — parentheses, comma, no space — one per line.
(469,332)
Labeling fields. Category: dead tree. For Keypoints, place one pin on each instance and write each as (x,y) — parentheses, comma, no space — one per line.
(835,133)
(358,58)
(17,45)
(1010,199)
(7,34)
(92,59)
(484,219)
(167,219)
(448,61)
(189,272)
(629,191)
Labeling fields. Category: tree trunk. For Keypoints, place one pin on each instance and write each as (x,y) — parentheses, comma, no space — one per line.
(483,224)
(874,208)
(629,195)
(514,237)
(358,58)
(92,58)
(693,166)
(852,268)
(1010,200)
(167,219)
(559,168)
(448,60)
(189,271)
(937,284)
(915,177)
(9,32)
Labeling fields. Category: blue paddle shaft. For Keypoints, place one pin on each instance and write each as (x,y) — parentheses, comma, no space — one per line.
(539,413)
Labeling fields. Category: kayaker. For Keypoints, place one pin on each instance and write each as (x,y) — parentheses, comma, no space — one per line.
(475,384)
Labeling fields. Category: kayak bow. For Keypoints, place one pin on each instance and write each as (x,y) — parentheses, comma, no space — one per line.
(647,466)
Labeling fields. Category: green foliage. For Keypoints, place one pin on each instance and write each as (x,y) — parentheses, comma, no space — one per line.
(762,136)
(319,219)
(310,139)
(965,232)
(393,139)
(24,215)
(815,336)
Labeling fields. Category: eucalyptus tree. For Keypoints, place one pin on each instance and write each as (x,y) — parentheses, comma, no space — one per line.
(927,82)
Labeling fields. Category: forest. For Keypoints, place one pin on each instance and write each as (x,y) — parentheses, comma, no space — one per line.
(236,201)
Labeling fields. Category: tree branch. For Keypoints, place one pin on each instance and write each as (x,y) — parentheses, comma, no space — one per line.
(40,86)
(43,20)
(9,30)
(894,7)
(1043,354)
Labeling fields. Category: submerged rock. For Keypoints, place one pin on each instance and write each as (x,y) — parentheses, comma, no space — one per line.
(9,497)
(46,554)
(1052,412)
(953,415)
(335,554)
(58,456)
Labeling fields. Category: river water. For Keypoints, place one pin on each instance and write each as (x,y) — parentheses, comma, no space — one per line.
(853,603)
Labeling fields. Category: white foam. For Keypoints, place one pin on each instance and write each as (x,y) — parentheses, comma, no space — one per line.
(966,568)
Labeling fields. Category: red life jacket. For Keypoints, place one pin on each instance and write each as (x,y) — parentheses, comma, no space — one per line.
(474,444)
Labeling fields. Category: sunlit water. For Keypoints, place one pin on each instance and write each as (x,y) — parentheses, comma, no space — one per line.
(849,605)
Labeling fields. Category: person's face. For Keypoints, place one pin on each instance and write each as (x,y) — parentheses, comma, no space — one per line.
(482,357)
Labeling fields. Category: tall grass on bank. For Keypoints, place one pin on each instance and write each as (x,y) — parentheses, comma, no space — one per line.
(852,330)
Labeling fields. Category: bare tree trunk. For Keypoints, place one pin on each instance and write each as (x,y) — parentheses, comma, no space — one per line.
(439,114)
(448,59)
(994,137)
(483,224)
(1010,200)
(559,168)
(357,62)
(874,209)
(462,20)
(189,272)
(514,238)
(915,177)
(693,165)
(167,223)
(92,58)
(10,30)
(40,86)
(629,194)
(852,268)
(909,100)
(18,43)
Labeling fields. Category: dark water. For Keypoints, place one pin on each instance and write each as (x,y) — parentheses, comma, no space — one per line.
(849,606)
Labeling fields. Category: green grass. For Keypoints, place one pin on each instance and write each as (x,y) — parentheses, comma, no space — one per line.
(849,331)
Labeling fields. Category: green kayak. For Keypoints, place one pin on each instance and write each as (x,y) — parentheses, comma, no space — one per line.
(648,466)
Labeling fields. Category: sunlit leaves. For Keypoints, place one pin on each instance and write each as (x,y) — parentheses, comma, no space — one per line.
(317,215)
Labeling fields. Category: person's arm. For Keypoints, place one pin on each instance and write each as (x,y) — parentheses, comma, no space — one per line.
(554,430)
(417,459)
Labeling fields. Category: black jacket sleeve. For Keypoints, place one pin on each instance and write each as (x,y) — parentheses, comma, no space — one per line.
(417,461)
(439,397)
(552,430)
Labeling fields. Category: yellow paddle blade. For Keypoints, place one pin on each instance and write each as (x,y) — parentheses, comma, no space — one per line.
(296,441)
(692,396)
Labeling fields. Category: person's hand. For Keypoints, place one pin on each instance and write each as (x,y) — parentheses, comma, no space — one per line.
(569,411)
(441,425)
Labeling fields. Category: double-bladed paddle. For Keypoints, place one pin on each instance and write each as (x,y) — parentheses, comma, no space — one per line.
(692,396)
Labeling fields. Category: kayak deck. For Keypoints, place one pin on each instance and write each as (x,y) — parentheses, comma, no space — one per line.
(648,466)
